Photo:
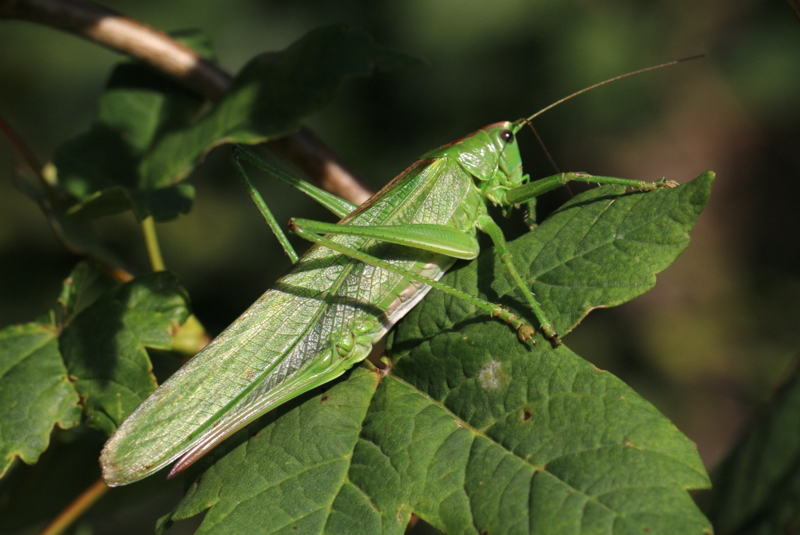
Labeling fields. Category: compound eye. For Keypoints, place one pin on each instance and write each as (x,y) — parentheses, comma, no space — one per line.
(507,135)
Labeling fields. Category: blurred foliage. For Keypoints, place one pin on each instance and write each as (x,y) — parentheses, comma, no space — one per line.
(765,500)
(728,307)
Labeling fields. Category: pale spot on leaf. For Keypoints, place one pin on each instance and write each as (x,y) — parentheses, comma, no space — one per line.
(492,376)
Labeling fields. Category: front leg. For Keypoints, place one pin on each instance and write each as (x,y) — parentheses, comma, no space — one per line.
(487,225)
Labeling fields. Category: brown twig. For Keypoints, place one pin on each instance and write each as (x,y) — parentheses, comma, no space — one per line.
(115,31)
(78,506)
(22,149)
(795,5)
(106,27)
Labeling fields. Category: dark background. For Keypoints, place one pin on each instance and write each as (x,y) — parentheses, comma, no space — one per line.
(709,343)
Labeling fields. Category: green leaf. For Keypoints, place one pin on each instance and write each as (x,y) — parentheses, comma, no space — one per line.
(101,167)
(35,393)
(757,488)
(104,345)
(603,248)
(551,441)
(86,282)
(76,233)
(289,475)
(93,346)
(148,137)
(272,95)
(474,431)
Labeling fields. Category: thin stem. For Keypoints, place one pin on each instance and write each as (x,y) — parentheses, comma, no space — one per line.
(74,510)
(151,241)
(22,149)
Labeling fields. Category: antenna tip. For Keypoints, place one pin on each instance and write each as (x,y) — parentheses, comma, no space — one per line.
(690,58)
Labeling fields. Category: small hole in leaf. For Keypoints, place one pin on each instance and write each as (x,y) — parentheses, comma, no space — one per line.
(323,399)
(527,415)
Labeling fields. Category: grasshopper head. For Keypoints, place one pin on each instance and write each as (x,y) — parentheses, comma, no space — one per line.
(506,172)
(491,156)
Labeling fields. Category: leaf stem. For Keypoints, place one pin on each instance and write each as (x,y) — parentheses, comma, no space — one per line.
(74,510)
(22,149)
(151,241)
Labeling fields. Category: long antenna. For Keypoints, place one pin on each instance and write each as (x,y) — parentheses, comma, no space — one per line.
(604,82)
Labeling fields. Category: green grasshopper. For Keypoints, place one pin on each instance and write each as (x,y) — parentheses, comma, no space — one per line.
(340,298)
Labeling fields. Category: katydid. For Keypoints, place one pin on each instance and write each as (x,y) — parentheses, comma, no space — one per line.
(340,298)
